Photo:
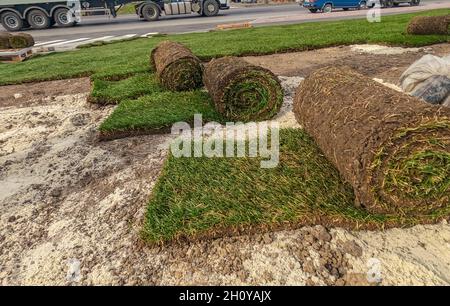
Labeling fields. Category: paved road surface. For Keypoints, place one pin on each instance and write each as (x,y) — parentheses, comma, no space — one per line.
(128,26)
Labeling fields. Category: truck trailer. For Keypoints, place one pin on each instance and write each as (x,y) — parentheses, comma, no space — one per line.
(16,15)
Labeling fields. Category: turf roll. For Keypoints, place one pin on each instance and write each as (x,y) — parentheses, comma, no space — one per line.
(4,40)
(429,25)
(394,149)
(21,41)
(242,91)
(177,68)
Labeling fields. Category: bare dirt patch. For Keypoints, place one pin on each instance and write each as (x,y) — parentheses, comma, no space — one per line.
(388,67)
(38,93)
(68,201)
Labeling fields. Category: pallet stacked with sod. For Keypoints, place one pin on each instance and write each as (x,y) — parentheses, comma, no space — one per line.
(15,47)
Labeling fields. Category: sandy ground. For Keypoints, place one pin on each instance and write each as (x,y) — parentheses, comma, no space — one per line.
(71,207)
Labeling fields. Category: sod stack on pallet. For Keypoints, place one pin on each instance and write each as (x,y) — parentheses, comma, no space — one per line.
(21,41)
(16,41)
(393,149)
(429,25)
(242,91)
(177,68)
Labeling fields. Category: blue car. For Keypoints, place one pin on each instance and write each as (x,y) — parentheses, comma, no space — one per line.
(327,6)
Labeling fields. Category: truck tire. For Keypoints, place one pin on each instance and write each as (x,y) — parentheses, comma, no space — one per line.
(414,2)
(327,8)
(210,8)
(389,3)
(38,20)
(11,21)
(150,12)
(362,5)
(62,19)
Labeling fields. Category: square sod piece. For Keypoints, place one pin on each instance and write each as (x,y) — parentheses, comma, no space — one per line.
(158,112)
(113,92)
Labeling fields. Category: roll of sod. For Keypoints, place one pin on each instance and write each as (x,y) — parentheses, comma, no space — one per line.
(21,41)
(242,91)
(393,149)
(177,68)
(4,40)
(429,25)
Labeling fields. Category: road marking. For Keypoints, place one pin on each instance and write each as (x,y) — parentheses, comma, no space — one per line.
(47,43)
(149,34)
(68,42)
(104,38)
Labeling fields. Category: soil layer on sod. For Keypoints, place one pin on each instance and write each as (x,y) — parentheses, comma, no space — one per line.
(113,92)
(156,113)
(429,25)
(392,148)
(199,198)
(242,91)
(4,40)
(177,68)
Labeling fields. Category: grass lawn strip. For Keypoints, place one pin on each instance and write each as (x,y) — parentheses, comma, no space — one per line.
(130,57)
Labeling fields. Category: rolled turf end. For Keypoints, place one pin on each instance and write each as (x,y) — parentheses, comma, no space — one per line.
(4,40)
(176,67)
(429,25)
(21,41)
(392,148)
(242,91)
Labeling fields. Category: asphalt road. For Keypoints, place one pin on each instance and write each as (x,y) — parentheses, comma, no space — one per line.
(100,26)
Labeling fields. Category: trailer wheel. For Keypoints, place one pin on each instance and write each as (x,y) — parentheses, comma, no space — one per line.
(414,2)
(210,8)
(62,19)
(150,12)
(11,21)
(38,20)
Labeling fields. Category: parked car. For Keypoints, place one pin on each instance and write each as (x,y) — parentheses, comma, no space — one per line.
(391,3)
(327,6)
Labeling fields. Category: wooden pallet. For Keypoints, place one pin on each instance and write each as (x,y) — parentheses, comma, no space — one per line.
(234,26)
(15,55)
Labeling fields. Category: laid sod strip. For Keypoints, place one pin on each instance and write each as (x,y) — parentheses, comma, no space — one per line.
(157,113)
(21,40)
(113,92)
(4,41)
(214,197)
(393,149)
(125,58)
(177,68)
(242,91)
(428,25)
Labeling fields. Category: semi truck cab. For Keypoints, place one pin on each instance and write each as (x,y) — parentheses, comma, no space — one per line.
(16,15)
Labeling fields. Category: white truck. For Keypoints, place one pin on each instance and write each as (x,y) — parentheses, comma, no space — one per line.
(16,15)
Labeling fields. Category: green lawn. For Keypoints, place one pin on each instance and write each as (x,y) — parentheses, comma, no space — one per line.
(124,58)
(158,111)
(115,91)
(211,197)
